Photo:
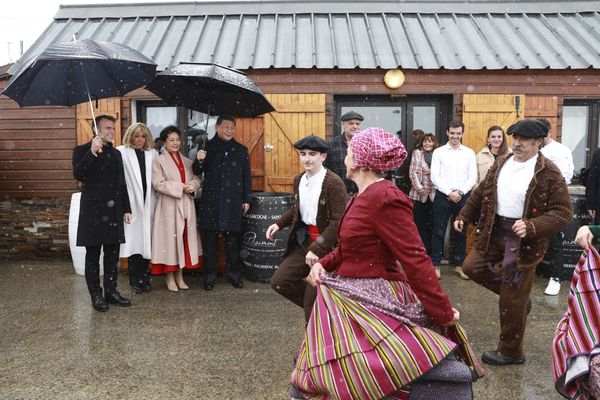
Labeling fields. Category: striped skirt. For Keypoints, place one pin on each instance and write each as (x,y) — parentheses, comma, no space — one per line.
(366,339)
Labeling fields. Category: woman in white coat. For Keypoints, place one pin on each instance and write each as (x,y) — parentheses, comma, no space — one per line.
(175,240)
(138,154)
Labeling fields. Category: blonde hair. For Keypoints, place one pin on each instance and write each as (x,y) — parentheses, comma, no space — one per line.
(133,130)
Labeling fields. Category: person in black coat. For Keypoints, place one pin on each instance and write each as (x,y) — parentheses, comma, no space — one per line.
(104,208)
(225,199)
(592,188)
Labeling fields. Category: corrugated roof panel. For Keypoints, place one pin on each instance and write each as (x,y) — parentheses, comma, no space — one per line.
(375,39)
(324,50)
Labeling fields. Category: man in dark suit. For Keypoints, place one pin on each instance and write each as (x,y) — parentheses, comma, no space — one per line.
(225,199)
(104,207)
(592,188)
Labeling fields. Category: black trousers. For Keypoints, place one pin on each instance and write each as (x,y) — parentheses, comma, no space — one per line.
(138,270)
(442,210)
(554,254)
(232,256)
(423,216)
(111,268)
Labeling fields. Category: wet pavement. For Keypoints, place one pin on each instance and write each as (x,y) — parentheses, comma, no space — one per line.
(225,344)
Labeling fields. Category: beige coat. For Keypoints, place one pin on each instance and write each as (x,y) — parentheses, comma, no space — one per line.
(485,159)
(173,208)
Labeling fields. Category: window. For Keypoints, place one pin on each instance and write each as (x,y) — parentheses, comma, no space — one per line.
(581,130)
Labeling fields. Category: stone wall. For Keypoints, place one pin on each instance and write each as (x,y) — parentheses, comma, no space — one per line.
(34,227)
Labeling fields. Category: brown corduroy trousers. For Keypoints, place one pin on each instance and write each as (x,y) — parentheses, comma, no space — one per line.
(289,282)
(513,299)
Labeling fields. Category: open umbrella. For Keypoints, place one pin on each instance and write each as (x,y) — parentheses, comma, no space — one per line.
(211,89)
(70,73)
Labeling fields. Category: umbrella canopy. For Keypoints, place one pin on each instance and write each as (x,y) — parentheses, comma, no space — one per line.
(66,74)
(211,89)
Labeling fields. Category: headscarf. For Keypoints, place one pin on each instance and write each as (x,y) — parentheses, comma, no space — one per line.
(377,150)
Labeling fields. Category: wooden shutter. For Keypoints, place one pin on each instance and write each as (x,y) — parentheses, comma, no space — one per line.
(250,132)
(110,107)
(543,107)
(297,116)
(480,111)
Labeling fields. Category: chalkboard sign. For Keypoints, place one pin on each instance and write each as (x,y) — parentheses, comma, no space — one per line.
(571,251)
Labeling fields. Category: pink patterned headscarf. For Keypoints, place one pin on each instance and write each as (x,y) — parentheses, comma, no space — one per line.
(377,150)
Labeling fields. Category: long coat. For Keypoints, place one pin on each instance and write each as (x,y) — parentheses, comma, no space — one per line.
(227,184)
(138,233)
(547,210)
(104,198)
(173,209)
(332,202)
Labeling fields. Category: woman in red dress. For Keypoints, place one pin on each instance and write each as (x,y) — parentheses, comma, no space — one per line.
(381,327)
(175,240)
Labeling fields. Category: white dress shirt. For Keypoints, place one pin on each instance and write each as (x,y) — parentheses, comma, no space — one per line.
(453,169)
(560,155)
(309,192)
(513,181)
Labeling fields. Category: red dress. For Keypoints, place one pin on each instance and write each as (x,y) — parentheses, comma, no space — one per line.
(158,269)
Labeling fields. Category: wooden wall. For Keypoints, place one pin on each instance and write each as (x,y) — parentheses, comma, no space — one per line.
(36,144)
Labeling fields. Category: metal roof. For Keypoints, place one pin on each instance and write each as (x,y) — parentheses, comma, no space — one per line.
(346,35)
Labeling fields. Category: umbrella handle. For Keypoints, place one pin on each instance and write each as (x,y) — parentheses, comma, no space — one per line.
(91,107)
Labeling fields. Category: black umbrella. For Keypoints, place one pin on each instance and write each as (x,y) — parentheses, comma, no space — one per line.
(66,74)
(211,89)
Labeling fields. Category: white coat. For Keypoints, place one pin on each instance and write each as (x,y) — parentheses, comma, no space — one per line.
(138,233)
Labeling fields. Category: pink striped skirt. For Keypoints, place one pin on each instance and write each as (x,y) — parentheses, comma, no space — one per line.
(369,339)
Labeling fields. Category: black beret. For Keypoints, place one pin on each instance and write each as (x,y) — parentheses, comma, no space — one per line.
(529,128)
(352,115)
(312,142)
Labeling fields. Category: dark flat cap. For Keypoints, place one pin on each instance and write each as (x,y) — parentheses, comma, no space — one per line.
(312,142)
(352,115)
(529,128)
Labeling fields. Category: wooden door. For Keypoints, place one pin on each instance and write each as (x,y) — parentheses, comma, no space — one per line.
(480,111)
(250,132)
(544,107)
(297,116)
(110,107)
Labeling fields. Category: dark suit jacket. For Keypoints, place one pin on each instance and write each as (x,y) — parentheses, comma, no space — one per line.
(332,203)
(104,197)
(227,184)
(592,187)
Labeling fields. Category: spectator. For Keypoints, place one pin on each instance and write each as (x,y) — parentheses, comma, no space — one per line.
(496,146)
(138,155)
(225,199)
(453,173)
(338,148)
(104,207)
(560,155)
(423,191)
(175,240)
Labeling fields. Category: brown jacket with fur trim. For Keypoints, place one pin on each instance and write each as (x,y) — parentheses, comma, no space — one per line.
(332,203)
(546,211)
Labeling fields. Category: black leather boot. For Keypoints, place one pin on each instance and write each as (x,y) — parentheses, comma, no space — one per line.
(116,299)
(98,302)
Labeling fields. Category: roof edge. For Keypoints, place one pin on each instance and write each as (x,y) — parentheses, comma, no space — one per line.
(229,7)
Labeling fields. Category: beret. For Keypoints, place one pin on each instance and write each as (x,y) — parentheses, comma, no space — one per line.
(312,142)
(529,128)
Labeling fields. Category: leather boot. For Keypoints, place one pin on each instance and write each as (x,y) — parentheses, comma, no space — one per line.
(116,299)
(98,302)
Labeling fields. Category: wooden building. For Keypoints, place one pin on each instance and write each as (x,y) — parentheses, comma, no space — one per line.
(485,62)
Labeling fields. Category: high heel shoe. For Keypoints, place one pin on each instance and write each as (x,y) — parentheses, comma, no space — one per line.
(171,285)
(180,282)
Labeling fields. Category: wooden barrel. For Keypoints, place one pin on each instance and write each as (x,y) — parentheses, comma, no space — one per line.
(261,256)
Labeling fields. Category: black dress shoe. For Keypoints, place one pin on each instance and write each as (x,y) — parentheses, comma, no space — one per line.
(98,303)
(137,289)
(494,357)
(116,299)
(209,286)
(236,284)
